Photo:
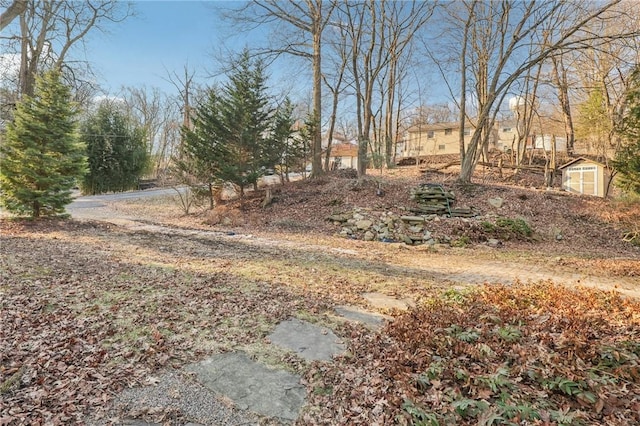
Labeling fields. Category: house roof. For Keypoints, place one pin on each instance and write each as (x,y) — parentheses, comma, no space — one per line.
(455,125)
(435,126)
(344,150)
(577,160)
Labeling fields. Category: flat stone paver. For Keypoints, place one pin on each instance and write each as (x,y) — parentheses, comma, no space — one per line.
(355,313)
(383,301)
(251,385)
(310,341)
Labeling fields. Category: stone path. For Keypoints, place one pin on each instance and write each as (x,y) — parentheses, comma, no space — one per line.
(233,389)
(309,341)
(251,385)
(373,320)
(382,301)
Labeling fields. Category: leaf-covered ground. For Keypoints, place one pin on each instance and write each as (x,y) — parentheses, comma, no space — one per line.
(88,308)
(576,228)
(538,354)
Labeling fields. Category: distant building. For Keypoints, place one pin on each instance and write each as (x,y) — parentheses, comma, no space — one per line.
(336,139)
(343,156)
(444,139)
(546,142)
(433,139)
(506,134)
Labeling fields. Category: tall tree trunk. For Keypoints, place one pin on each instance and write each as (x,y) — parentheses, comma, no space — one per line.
(332,127)
(560,80)
(335,91)
(362,143)
(466,169)
(15,9)
(316,149)
(388,124)
(26,87)
(396,132)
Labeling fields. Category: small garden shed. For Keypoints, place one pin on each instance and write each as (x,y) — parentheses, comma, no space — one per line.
(584,176)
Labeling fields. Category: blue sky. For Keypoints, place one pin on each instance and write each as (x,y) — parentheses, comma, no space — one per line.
(164,36)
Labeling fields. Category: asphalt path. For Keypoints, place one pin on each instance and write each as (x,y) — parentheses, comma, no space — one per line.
(82,205)
(93,201)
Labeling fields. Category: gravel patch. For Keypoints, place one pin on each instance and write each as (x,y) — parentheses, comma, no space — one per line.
(174,398)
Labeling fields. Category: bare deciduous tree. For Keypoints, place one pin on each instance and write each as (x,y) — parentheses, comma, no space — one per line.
(559,76)
(146,105)
(172,138)
(502,41)
(334,82)
(158,116)
(366,31)
(49,29)
(600,72)
(184,84)
(15,9)
(404,20)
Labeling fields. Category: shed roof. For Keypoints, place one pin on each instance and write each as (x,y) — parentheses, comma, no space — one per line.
(576,160)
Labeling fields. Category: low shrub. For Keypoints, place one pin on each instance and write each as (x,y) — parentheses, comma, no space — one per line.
(509,229)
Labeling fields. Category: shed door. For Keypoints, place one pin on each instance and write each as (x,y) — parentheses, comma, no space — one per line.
(589,182)
(582,179)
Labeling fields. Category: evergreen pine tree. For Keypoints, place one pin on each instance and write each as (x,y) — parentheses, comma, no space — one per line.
(593,123)
(41,157)
(201,155)
(116,151)
(627,161)
(230,129)
(246,119)
(280,149)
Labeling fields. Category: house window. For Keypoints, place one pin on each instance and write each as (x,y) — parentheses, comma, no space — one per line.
(467,132)
(430,134)
(441,147)
(506,129)
(447,131)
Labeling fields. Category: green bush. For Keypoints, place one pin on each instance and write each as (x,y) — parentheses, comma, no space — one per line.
(507,229)
(461,242)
